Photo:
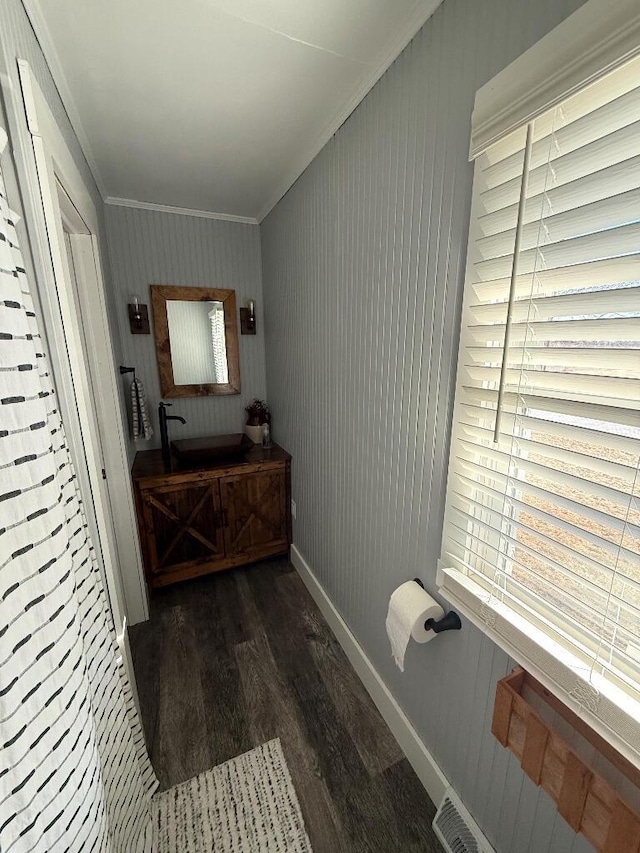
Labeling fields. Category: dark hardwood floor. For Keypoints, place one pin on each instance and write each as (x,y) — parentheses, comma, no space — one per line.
(229,661)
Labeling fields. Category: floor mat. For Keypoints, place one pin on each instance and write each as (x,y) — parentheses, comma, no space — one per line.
(244,805)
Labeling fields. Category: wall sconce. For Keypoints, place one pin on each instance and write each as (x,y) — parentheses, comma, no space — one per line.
(248,318)
(138,317)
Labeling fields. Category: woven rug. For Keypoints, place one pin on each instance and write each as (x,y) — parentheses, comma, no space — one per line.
(244,805)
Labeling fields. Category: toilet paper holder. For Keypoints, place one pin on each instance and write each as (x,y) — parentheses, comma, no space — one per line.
(449,622)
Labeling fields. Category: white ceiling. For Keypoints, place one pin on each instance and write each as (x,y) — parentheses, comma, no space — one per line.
(215,105)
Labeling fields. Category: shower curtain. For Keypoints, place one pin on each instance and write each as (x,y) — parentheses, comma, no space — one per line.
(74,771)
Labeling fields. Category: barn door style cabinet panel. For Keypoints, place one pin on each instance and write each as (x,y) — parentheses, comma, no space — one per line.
(193,521)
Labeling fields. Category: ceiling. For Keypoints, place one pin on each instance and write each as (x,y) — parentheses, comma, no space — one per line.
(215,105)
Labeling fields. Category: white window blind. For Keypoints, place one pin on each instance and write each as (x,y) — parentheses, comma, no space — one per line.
(542,529)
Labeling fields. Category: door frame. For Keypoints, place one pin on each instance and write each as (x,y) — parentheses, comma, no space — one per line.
(51,167)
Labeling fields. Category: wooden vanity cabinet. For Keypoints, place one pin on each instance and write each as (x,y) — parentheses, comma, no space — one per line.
(193,521)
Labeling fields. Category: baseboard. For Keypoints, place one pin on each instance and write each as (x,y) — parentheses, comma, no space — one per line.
(424,764)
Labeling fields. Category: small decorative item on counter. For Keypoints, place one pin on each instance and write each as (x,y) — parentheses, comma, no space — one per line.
(266,436)
(257,415)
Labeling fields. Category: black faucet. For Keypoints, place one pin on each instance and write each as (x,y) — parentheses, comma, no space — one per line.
(163,417)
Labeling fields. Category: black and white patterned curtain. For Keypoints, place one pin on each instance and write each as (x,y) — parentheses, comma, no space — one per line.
(74,771)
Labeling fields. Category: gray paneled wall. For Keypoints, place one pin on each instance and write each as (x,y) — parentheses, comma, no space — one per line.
(149,247)
(363,264)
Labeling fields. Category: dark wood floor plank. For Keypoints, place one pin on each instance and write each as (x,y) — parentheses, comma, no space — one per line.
(180,747)
(291,613)
(146,645)
(283,628)
(252,607)
(376,746)
(371,827)
(272,714)
(412,810)
(292,624)
(283,611)
(213,617)
(391,812)
(234,612)
(339,760)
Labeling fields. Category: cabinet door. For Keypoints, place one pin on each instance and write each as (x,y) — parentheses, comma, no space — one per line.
(184,530)
(254,508)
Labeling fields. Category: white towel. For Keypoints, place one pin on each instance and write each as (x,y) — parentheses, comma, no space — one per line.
(141,421)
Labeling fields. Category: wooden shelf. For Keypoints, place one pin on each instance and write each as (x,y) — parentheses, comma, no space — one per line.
(585,799)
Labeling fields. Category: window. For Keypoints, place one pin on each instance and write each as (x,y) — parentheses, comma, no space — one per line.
(541,543)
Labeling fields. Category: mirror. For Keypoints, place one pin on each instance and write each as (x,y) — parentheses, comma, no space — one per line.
(196,340)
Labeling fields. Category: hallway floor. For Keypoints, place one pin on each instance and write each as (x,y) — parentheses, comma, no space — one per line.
(232,660)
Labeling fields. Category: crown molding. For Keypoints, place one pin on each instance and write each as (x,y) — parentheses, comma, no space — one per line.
(414,22)
(181,211)
(43,36)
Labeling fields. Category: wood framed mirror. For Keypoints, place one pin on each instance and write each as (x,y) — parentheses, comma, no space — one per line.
(196,337)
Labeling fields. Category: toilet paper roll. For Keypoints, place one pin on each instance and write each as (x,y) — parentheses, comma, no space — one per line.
(409,608)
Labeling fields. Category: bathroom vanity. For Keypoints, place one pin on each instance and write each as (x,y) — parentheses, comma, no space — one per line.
(196,520)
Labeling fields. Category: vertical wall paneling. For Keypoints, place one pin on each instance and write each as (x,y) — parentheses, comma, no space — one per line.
(150,247)
(363,266)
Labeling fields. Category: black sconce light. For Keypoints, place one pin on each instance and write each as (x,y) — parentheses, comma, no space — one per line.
(248,318)
(138,317)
